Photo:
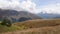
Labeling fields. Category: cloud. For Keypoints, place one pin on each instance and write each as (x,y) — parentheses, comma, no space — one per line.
(29,6)
(52,8)
(17,5)
(6,4)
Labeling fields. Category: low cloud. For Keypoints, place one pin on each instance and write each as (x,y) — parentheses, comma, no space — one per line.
(17,5)
(52,8)
(29,6)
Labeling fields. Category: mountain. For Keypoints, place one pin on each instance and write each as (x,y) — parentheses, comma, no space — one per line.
(17,16)
(48,15)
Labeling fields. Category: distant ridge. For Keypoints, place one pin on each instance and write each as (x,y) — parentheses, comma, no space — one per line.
(48,15)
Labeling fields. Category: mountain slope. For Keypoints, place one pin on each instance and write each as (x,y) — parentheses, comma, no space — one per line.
(16,15)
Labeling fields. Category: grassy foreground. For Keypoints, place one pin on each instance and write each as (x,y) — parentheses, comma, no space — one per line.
(43,30)
(10,29)
(33,27)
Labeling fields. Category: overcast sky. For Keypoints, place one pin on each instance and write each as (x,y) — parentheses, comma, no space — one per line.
(34,6)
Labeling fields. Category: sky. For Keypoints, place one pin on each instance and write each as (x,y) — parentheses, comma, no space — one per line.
(33,6)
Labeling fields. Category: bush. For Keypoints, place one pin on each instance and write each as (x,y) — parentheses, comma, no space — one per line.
(6,22)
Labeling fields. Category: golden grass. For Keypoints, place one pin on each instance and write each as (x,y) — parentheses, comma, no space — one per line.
(38,26)
(43,30)
(38,23)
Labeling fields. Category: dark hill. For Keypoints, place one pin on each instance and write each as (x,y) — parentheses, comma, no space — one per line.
(16,16)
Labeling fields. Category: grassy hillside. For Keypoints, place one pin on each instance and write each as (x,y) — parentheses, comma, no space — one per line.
(39,23)
(43,30)
(51,26)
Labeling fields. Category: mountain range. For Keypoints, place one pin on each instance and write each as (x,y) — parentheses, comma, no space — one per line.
(17,16)
(48,15)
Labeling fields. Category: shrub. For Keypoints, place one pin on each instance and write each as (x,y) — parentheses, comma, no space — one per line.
(6,22)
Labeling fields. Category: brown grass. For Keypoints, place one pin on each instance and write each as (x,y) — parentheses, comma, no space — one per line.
(51,26)
(39,23)
(43,30)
